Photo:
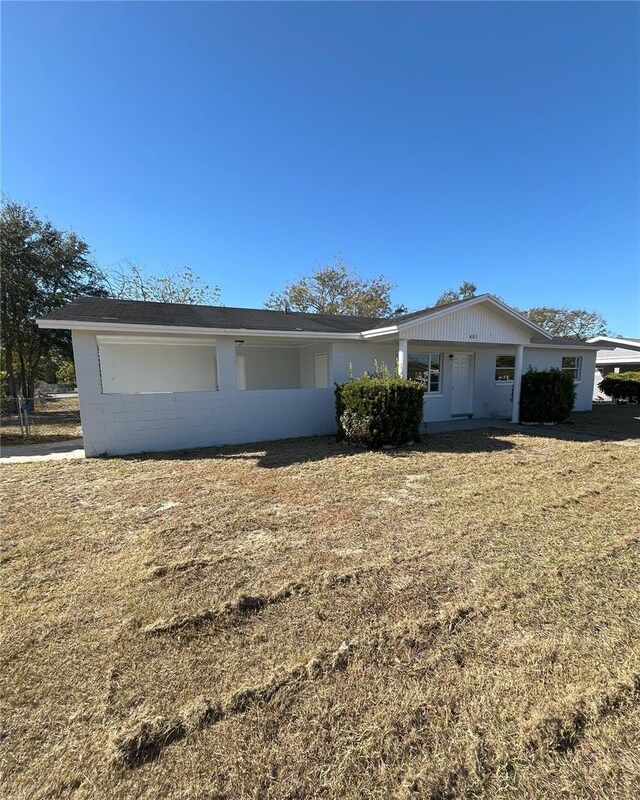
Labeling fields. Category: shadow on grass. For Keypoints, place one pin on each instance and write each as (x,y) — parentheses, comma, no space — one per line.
(287,452)
(616,422)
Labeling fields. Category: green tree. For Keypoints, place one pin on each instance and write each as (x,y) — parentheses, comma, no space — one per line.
(337,289)
(573,323)
(128,281)
(464,292)
(41,268)
(66,372)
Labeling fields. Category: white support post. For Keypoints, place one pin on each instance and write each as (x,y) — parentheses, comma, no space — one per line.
(403,358)
(517,383)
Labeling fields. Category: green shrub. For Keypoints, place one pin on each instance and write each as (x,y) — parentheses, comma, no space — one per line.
(621,385)
(546,396)
(377,411)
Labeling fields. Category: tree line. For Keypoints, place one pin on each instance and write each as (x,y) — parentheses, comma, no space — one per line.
(43,268)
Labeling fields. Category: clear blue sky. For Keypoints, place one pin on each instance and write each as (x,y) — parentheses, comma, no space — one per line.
(433,143)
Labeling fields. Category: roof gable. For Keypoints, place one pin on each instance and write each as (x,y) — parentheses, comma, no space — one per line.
(479,319)
(472,324)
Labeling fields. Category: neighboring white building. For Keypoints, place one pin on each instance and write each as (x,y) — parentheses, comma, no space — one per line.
(159,376)
(620,355)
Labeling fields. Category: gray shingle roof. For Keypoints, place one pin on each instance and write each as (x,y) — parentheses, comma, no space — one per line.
(135,312)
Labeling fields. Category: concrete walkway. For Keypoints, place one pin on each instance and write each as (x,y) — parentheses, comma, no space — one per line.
(47,451)
(466,424)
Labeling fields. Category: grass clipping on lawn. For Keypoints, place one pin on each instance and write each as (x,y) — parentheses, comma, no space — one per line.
(303,620)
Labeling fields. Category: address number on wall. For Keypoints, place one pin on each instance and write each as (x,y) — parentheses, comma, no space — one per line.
(473,335)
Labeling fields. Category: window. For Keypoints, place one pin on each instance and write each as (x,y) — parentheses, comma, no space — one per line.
(572,364)
(505,368)
(426,367)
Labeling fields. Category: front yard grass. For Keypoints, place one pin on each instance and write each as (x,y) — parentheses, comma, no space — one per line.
(609,420)
(303,620)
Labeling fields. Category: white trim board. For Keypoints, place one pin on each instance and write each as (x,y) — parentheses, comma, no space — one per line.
(78,325)
(168,340)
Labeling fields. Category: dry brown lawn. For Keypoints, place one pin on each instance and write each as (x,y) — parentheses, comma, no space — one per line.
(53,419)
(303,620)
(617,422)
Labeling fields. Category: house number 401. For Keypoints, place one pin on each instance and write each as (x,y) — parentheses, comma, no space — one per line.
(473,335)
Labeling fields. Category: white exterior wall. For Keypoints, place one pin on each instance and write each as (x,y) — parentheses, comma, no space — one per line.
(128,423)
(489,399)
(307,365)
(271,367)
(140,367)
(117,424)
(362,357)
(546,358)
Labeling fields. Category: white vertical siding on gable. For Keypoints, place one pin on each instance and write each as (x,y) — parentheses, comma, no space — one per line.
(473,324)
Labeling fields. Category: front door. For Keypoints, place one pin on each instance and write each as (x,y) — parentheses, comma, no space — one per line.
(461,385)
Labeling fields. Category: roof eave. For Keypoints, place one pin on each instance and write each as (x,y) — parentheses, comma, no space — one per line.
(83,325)
(373,332)
(563,345)
(624,344)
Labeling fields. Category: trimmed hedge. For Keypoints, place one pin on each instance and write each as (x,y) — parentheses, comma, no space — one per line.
(546,396)
(379,411)
(622,386)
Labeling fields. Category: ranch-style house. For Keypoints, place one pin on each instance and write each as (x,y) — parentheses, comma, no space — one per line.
(161,376)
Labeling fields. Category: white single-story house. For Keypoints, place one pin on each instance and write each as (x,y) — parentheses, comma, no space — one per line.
(160,376)
(616,355)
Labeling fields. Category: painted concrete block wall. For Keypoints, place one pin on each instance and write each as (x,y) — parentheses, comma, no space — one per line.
(127,423)
(117,424)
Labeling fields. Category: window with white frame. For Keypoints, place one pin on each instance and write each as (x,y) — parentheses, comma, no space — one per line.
(427,368)
(573,365)
(505,369)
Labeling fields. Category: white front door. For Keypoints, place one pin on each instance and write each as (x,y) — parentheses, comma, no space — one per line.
(461,384)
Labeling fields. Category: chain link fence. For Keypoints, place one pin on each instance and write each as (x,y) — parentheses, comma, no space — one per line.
(44,418)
